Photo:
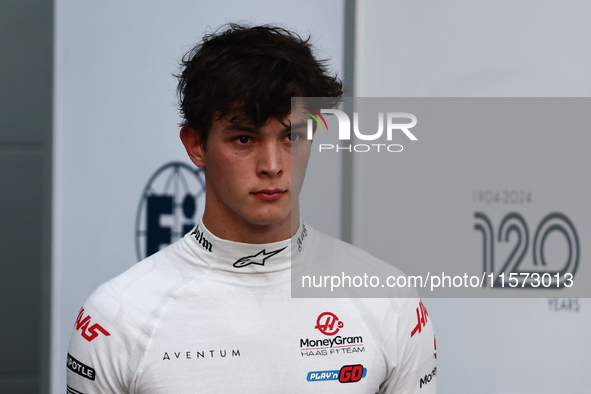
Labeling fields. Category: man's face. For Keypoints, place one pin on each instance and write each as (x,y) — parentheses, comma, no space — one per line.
(254,175)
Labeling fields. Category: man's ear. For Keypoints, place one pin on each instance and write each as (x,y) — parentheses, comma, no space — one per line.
(190,138)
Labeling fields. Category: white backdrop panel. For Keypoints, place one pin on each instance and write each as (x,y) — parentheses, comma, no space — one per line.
(462,48)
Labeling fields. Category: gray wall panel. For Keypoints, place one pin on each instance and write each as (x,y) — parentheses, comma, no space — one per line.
(26,84)
(21,259)
(26,72)
(19,384)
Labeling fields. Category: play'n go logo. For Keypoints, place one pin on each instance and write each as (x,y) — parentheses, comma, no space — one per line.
(171,203)
(395,121)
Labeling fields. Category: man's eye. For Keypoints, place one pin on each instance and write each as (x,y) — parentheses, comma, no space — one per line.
(292,137)
(243,139)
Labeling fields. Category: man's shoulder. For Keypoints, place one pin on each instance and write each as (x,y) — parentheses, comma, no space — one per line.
(145,285)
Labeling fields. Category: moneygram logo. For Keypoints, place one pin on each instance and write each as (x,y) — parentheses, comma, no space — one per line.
(393,124)
(328,323)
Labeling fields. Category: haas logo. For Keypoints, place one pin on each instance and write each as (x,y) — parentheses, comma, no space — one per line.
(328,324)
(88,333)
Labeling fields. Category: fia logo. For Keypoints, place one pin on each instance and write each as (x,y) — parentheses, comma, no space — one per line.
(171,202)
(328,323)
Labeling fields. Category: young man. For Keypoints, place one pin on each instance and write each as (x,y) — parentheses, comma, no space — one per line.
(212,313)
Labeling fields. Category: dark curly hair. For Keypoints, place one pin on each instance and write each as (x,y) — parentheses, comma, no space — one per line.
(251,71)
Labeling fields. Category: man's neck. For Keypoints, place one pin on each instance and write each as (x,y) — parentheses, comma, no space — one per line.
(237,229)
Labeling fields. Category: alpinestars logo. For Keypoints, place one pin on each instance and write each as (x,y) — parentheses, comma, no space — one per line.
(328,323)
(257,259)
(88,333)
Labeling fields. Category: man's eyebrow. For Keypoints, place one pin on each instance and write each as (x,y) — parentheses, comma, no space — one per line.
(237,127)
(251,129)
(299,125)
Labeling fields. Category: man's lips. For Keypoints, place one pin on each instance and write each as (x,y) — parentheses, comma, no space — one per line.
(269,194)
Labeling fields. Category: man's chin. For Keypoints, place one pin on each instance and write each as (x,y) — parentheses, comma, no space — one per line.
(270,219)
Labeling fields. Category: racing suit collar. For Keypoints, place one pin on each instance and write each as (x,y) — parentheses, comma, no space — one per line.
(246,258)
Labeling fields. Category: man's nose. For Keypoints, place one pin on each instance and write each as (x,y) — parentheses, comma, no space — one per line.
(270,160)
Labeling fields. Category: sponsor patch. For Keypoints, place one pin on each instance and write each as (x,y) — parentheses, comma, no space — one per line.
(257,259)
(70,390)
(328,323)
(199,354)
(201,240)
(351,373)
(427,378)
(422,316)
(434,347)
(303,235)
(80,368)
(347,374)
(88,333)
